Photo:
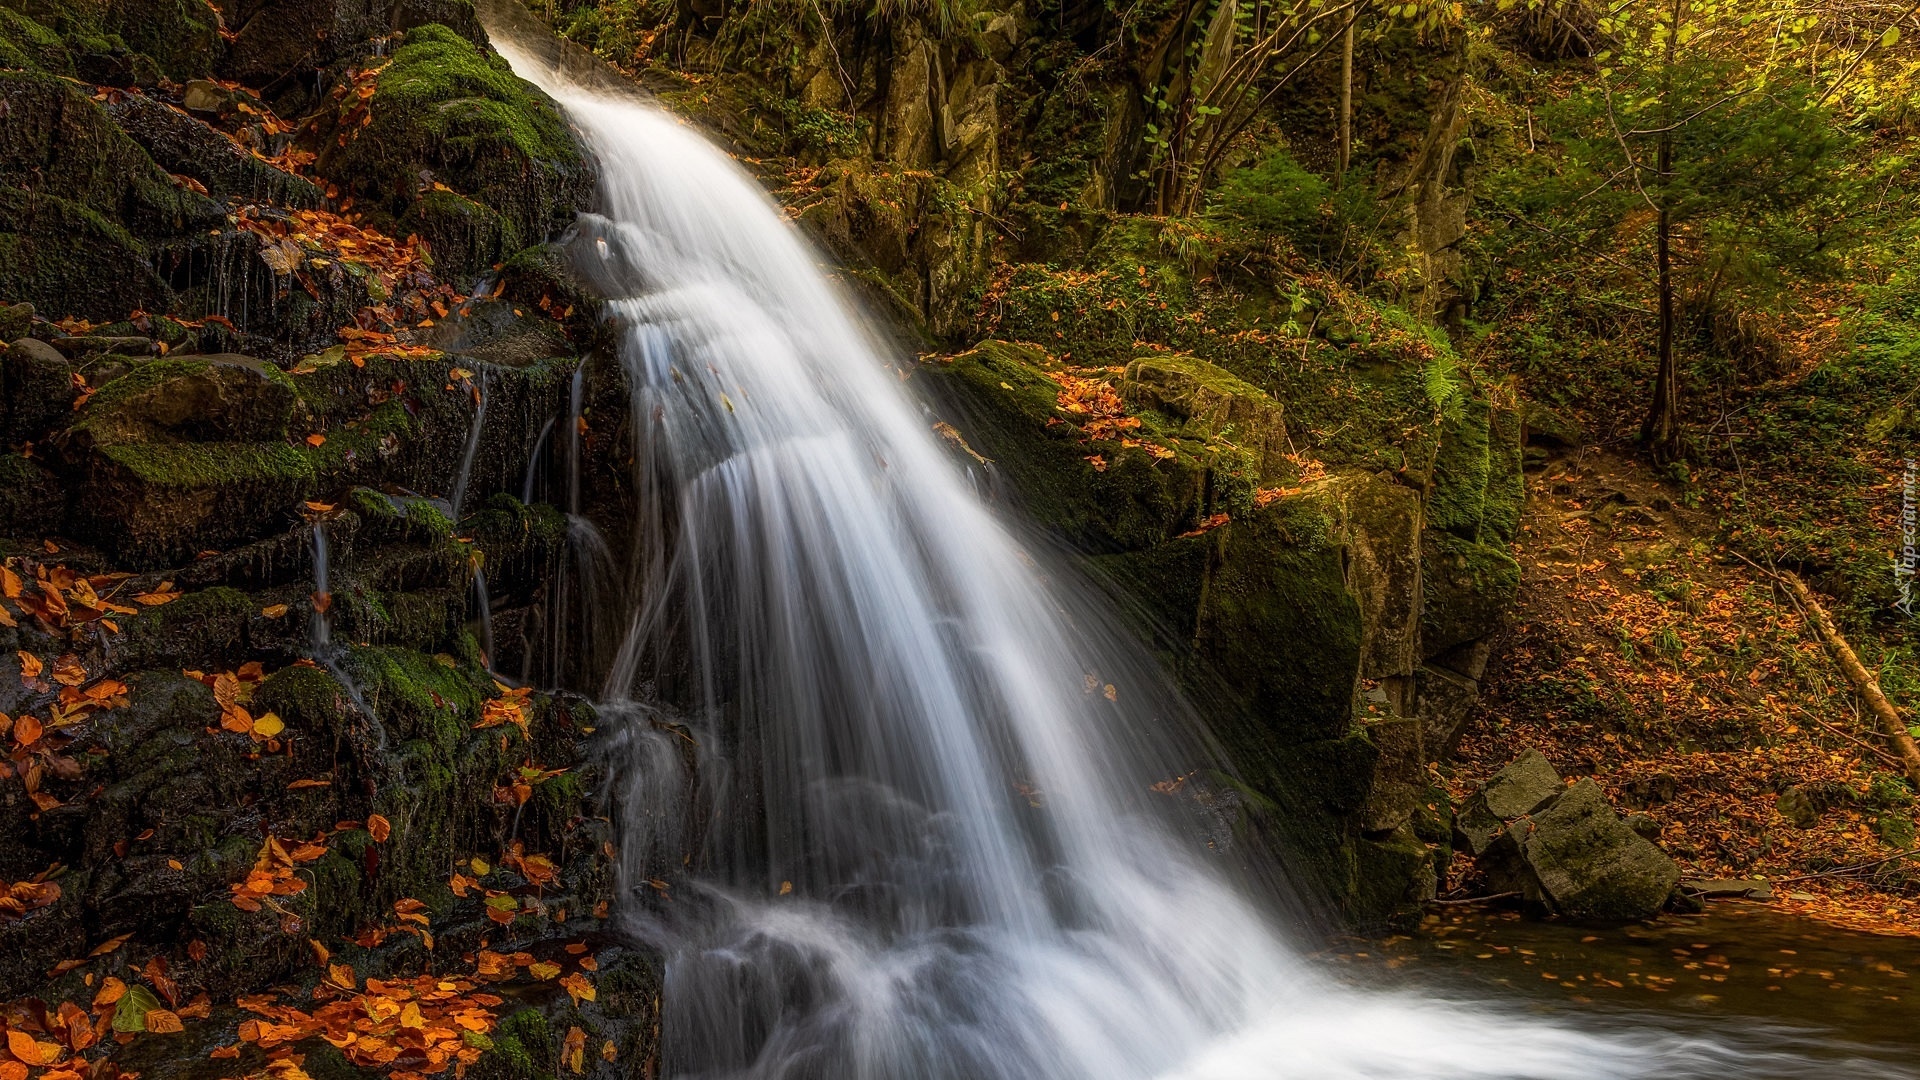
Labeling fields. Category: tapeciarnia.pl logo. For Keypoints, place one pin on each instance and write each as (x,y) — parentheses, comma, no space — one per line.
(1907,561)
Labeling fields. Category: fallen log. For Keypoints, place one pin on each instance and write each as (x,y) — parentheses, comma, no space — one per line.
(1891,724)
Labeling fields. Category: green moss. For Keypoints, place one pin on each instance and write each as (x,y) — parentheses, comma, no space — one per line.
(460,232)
(214,465)
(523,1049)
(1468,590)
(202,627)
(1460,468)
(26,44)
(1506,483)
(1280,626)
(179,35)
(60,142)
(1007,408)
(68,259)
(461,115)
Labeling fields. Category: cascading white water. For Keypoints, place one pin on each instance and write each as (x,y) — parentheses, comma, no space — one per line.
(915,845)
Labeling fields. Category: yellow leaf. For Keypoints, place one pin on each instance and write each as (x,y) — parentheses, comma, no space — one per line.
(267,725)
(274,611)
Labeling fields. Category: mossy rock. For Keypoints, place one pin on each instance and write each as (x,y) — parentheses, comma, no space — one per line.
(1007,408)
(205,629)
(36,391)
(190,147)
(222,397)
(1470,590)
(446,112)
(1211,402)
(181,36)
(463,234)
(1457,500)
(61,143)
(26,44)
(1506,496)
(68,259)
(1280,624)
(30,498)
(156,503)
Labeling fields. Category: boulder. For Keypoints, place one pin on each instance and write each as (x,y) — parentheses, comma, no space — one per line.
(1213,403)
(16,322)
(1521,788)
(1441,702)
(1578,858)
(212,398)
(169,449)
(36,390)
(444,112)
(190,147)
(1544,427)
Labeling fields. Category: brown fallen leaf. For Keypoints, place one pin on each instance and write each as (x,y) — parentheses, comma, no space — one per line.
(379,828)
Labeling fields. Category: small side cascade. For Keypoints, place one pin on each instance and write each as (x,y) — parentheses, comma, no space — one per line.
(484,608)
(320,627)
(465,473)
(576,399)
(534,459)
(320,635)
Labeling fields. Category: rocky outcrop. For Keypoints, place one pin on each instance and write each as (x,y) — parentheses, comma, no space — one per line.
(1333,630)
(1562,847)
(236,608)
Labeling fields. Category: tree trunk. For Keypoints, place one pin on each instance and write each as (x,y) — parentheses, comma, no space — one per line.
(1346,105)
(1661,433)
(1894,728)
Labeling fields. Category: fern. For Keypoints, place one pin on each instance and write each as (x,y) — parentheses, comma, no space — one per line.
(1444,386)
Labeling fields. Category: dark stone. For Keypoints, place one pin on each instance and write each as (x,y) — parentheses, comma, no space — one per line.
(190,147)
(1521,788)
(16,322)
(80,347)
(1804,804)
(1470,590)
(1645,826)
(1578,858)
(1442,700)
(1544,427)
(36,391)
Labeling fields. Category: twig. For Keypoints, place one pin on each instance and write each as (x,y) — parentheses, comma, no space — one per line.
(1840,870)
(1476,899)
(1861,743)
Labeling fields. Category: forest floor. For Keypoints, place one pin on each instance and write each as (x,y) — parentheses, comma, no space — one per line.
(1684,680)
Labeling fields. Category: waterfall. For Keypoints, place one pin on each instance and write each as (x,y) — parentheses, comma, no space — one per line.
(915,845)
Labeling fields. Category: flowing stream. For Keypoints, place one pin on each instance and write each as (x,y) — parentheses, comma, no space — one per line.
(878,815)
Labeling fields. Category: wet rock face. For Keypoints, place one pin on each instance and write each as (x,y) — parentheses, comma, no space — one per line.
(1333,630)
(1563,848)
